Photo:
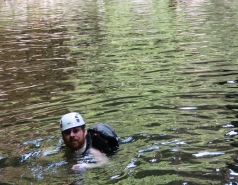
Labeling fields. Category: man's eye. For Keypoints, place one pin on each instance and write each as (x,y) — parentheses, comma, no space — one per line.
(67,132)
(76,130)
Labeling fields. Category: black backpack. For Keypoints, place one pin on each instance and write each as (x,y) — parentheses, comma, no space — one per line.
(104,138)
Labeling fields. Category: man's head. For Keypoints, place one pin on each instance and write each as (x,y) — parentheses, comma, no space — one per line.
(73,130)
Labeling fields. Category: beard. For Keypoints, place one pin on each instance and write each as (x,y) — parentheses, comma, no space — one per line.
(75,143)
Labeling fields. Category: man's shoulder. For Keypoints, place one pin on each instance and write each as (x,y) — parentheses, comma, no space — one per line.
(94,150)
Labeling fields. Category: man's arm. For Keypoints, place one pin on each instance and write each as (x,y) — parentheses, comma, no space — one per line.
(100,158)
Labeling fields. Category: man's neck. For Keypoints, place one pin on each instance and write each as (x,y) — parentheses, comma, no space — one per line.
(81,150)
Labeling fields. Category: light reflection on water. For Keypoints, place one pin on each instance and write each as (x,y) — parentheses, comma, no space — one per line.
(162,73)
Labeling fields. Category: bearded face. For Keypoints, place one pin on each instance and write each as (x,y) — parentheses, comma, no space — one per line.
(74,138)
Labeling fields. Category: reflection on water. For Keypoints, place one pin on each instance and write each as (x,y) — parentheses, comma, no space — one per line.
(162,73)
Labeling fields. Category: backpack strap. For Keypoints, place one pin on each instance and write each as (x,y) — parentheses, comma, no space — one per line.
(88,144)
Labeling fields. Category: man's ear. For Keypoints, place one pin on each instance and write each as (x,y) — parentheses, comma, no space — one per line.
(62,136)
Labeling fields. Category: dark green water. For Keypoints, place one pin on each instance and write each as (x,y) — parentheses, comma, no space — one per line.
(162,73)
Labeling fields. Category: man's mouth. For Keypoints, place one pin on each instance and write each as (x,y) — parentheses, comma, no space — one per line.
(73,141)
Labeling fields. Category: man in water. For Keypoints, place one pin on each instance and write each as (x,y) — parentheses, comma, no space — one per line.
(78,142)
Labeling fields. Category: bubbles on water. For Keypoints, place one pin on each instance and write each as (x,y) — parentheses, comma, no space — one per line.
(46,152)
(131,164)
(228,126)
(187,108)
(127,140)
(153,160)
(53,165)
(207,154)
(114,177)
(177,158)
(232,172)
(130,172)
(172,143)
(232,183)
(232,133)
(50,152)
(174,150)
(232,81)
(51,137)
(39,171)
(145,135)
(35,142)
(26,156)
(149,149)
(181,143)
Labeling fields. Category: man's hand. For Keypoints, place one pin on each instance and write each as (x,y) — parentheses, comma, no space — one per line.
(80,166)
(97,155)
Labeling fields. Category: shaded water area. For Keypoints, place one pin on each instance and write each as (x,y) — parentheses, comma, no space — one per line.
(162,73)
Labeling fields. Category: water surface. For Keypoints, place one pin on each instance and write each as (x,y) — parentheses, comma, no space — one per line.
(162,73)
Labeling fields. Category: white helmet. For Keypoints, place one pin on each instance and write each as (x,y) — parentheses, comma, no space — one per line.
(70,120)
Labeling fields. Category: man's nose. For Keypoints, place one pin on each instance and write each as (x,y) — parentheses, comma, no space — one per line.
(71,133)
